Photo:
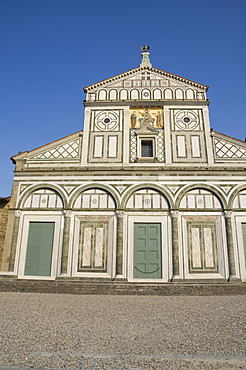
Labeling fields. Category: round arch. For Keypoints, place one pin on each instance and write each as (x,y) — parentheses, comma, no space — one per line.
(27,192)
(234,193)
(83,188)
(156,187)
(209,188)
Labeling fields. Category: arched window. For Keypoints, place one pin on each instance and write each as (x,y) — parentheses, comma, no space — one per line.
(147,199)
(240,200)
(94,199)
(199,199)
(44,199)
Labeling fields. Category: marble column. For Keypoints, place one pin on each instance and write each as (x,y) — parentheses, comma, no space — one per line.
(119,244)
(14,241)
(230,248)
(65,244)
(175,244)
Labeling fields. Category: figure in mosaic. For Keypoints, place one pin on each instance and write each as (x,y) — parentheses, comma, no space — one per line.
(147,119)
(158,120)
(133,119)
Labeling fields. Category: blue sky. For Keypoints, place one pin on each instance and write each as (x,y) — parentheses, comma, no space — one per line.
(51,49)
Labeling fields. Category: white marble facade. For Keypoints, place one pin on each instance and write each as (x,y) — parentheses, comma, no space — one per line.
(146,156)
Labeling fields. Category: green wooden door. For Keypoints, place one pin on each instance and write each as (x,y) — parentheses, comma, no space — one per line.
(244,239)
(147,251)
(39,249)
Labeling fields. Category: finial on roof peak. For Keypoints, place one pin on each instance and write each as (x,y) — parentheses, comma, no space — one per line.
(145,48)
(145,56)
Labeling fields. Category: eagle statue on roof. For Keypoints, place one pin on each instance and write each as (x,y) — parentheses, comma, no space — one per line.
(144,48)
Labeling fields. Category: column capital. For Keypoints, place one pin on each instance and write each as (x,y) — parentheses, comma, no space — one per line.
(67,213)
(228,214)
(174,213)
(119,214)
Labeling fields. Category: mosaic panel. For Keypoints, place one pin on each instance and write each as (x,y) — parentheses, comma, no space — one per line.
(146,117)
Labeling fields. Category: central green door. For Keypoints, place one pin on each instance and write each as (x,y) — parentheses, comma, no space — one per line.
(39,249)
(147,251)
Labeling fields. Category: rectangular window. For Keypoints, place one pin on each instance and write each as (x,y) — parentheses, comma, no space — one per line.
(147,148)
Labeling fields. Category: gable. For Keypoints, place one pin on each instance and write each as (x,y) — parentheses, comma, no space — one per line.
(146,83)
(65,149)
(228,148)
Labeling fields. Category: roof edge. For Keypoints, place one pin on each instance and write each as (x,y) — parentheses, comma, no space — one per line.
(214,133)
(23,154)
(154,69)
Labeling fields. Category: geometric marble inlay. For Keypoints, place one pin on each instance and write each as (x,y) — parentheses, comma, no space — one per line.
(225,149)
(67,150)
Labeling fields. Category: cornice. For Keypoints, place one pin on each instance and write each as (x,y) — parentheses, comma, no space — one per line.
(139,171)
(140,103)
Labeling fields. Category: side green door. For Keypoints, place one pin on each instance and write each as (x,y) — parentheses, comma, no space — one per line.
(39,249)
(147,251)
(244,239)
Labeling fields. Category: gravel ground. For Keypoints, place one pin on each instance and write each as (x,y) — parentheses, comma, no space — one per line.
(122,332)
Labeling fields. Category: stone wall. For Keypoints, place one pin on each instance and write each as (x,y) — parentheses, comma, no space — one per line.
(4,207)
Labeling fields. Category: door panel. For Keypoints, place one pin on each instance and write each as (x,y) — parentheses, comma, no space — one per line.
(147,251)
(39,249)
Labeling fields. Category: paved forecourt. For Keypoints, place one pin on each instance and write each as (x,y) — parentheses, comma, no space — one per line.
(121,331)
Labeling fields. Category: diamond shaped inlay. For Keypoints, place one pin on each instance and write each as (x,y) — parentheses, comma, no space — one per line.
(224,149)
(68,150)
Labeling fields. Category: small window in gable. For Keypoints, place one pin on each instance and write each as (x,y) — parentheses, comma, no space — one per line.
(147,149)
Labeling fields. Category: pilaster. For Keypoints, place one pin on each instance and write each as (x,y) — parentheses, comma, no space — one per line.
(65,244)
(8,250)
(230,247)
(125,143)
(119,243)
(175,245)
(208,136)
(167,137)
(85,143)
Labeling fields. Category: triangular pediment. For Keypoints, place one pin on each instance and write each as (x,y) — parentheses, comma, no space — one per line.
(145,77)
(228,148)
(147,130)
(66,148)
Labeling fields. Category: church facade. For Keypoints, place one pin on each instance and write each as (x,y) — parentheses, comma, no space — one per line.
(147,192)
